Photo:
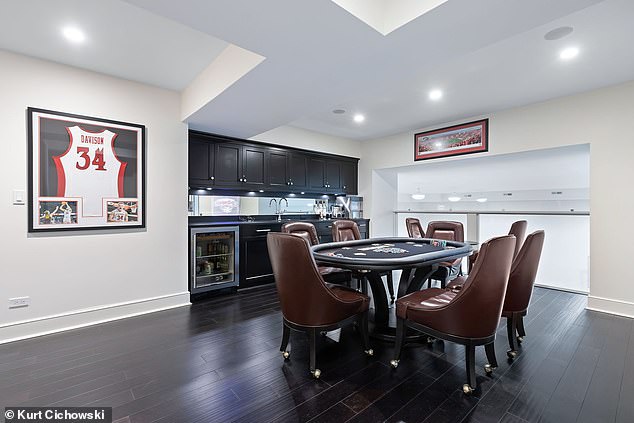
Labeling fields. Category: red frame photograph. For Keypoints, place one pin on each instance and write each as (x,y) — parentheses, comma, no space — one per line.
(456,140)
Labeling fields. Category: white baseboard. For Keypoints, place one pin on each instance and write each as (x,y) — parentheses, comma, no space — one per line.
(611,306)
(46,325)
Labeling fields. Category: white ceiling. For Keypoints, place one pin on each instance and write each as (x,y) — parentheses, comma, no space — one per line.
(121,39)
(485,55)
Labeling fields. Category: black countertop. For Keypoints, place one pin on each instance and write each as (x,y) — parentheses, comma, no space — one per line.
(213,220)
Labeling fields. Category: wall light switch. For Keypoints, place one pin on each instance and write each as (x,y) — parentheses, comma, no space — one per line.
(19,197)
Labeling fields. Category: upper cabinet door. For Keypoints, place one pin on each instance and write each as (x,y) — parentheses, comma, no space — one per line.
(333,175)
(228,164)
(298,171)
(201,165)
(254,166)
(278,168)
(349,177)
(317,174)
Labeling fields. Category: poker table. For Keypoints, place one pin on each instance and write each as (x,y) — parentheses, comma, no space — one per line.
(417,258)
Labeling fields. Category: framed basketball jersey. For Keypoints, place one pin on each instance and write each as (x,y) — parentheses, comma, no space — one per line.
(85,172)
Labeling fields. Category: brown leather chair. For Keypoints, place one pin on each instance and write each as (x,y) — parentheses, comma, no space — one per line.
(470,316)
(414,228)
(347,230)
(308,304)
(450,231)
(307,231)
(518,229)
(520,289)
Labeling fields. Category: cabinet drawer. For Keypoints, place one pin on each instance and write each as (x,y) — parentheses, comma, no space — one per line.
(252,230)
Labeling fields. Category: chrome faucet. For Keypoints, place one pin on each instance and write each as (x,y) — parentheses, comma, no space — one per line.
(278,207)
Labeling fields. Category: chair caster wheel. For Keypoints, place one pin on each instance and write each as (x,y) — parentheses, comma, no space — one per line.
(520,339)
(369,352)
(468,390)
(394,363)
(286,354)
(488,369)
(316,373)
(511,354)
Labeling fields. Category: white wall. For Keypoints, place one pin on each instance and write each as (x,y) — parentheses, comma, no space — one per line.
(291,136)
(76,279)
(604,119)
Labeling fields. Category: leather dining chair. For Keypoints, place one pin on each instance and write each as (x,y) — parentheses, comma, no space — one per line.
(518,229)
(520,289)
(308,231)
(347,230)
(469,316)
(414,228)
(307,303)
(450,231)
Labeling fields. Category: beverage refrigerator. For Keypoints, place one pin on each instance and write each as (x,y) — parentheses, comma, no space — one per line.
(214,253)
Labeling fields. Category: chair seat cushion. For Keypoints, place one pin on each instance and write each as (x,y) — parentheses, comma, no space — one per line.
(457,283)
(326,270)
(428,298)
(351,295)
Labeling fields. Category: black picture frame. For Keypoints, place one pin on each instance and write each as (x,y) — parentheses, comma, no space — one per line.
(455,140)
(80,166)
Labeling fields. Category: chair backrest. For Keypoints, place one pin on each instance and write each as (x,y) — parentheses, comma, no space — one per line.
(345,230)
(519,230)
(450,231)
(476,309)
(414,228)
(523,272)
(302,229)
(304,297)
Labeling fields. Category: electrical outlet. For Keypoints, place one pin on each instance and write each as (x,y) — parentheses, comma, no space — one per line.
(19,302)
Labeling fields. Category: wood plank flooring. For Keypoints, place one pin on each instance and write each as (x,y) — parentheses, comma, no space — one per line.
(218,361)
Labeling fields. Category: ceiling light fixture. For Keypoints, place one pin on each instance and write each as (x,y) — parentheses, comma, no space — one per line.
(435,95)
(73,34)
(481,200)
(453,198)
(359,118)
(569,53)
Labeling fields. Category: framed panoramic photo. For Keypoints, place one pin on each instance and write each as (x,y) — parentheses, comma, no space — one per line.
(84,172)
(467,138)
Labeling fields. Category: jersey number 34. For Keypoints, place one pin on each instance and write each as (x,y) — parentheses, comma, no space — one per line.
(84,159)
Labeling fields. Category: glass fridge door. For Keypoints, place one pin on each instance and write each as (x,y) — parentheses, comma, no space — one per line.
(214,262)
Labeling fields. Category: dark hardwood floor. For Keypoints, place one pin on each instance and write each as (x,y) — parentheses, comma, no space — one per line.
(219,361)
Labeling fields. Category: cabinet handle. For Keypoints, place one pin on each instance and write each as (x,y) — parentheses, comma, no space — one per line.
(240,180)
(291,182)
(211,178)
(244,180)
(263,230)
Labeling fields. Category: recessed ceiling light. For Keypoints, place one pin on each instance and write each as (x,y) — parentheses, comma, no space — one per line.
(73,34)
(569,53)
(454,198)
(339,111)
(418,196)
(481,200)
(359,118)
(558,33)
(438,144)
(260,190)
(302,193)
(435,95)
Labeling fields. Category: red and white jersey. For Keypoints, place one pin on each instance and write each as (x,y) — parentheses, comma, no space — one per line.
(90,169)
